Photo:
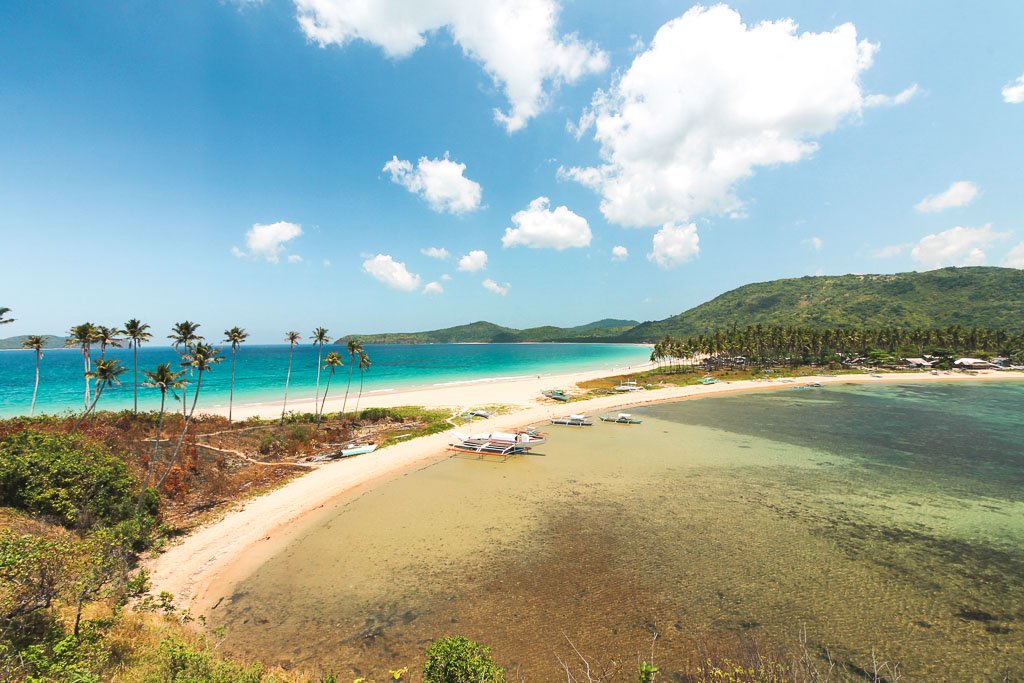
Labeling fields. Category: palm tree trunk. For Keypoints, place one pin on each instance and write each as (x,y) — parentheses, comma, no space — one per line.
(349,386)
(85,365)
(231,396)
(32,410)
(135,353)
(184,431)
(326,389)
(99,390)
(287,381)
(156,452)
(361,373)
(316,396)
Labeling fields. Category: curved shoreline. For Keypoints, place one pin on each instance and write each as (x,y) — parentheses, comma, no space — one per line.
(200,569)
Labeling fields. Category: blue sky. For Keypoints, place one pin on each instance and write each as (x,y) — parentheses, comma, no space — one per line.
(280,164)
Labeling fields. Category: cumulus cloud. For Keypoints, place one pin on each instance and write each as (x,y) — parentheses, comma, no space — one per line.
(440,181)
(890,250)
(446,277)
(294,258)
(492,286)
(1015,259)
(960,193)
(327,263)
(538,227)
(620,253)
(439,253)
(473,261)
(1013,92)
(815,243)
(892,100)
(267,242)
(391,272)
(516,41)
(433,288)
(710,101)
(957,246)
(674,244)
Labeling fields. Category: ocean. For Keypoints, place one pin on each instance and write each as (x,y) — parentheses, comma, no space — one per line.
(261,369)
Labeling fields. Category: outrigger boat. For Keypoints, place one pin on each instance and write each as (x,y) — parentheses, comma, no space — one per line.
(709,380)
(501,444)
(556,394)
(628,386)
(622,418)
(572,421)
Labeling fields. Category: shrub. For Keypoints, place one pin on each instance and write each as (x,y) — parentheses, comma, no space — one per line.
(456,659)
(183,663)
(66,478)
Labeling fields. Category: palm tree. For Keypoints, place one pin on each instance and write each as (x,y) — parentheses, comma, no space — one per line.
(202,358)
(355,348)
(83,336)
(4,311)
(293,340)
(107,373)
(319,338)
(137,333)
(36,343)
(183,337)
(364,365)
(166,380)
(236,336)
(107,336)
(332,361)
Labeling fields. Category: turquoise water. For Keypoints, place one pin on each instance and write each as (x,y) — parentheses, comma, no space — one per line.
(261,370)
(861,521)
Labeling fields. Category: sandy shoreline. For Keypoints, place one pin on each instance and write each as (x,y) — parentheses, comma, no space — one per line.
(200,569)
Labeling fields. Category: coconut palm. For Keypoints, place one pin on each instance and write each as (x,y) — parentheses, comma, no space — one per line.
(201,359)
(36,343)
(333,361)
(293,340)
(236,336)
(166,380)
(355,348)
(3,312)
(83,336)
(107,373)
(136,333)
(108,336)
(183,337)
(364,365)
(319,338)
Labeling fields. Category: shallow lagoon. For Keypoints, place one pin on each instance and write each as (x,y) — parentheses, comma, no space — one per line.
(872,519)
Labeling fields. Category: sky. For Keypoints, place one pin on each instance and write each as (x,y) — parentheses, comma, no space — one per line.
(404,165)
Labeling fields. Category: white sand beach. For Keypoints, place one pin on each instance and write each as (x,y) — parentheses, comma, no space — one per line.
(205,564)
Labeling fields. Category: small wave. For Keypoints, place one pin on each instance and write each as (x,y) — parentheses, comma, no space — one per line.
(482,380)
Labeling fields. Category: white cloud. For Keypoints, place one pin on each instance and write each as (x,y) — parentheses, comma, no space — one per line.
(957,246)
(433,288)
(440,181)
(268,241)
(1015,259)
(674,244)
(1013,92)
(439,253)
(327,263)
(446,277)
(492,286)
(710,101)
(892,100)
(890,250)
(960,193)
(473,261)
(516,41)
(620,253)
(294,258)
(815,242)
(391,272)
(538,227)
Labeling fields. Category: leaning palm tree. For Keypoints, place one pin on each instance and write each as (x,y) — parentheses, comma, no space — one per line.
(355,348)
(319,338)
(202,358)
(36,343)
(166,380)
(107,373)
(364,365)
(293,340)
(236,336)
(136,333)
(83,337)
(3,312)
(332,362)
(183,337)
(108,336)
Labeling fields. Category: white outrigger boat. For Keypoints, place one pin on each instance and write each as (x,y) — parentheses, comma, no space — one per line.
(622,418)
(572,421)
(629,385)
(497,443)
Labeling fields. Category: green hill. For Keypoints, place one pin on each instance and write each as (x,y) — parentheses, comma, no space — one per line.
(972,297)
(485,332)
(52,342)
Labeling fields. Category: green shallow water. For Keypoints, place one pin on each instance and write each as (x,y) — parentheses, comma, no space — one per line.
(872,519)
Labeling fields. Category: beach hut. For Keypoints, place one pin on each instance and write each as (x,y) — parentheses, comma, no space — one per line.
(974,364)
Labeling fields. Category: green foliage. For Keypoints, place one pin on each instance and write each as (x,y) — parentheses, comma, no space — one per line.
(485,332)
(66,478)
(456,659)
(647,673)
(180,662)
(728,671)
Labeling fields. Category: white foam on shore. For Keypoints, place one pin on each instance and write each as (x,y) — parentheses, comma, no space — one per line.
(484,380)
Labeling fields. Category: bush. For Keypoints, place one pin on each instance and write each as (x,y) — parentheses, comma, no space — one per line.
(183,663)
(456,659)
(68,479)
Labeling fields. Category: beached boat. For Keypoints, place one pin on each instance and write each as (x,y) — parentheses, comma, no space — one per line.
(622,418)
(479,413)
(357,449)
(709,380)
(556,394)
(629,385)
(572,421)
(501,444)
